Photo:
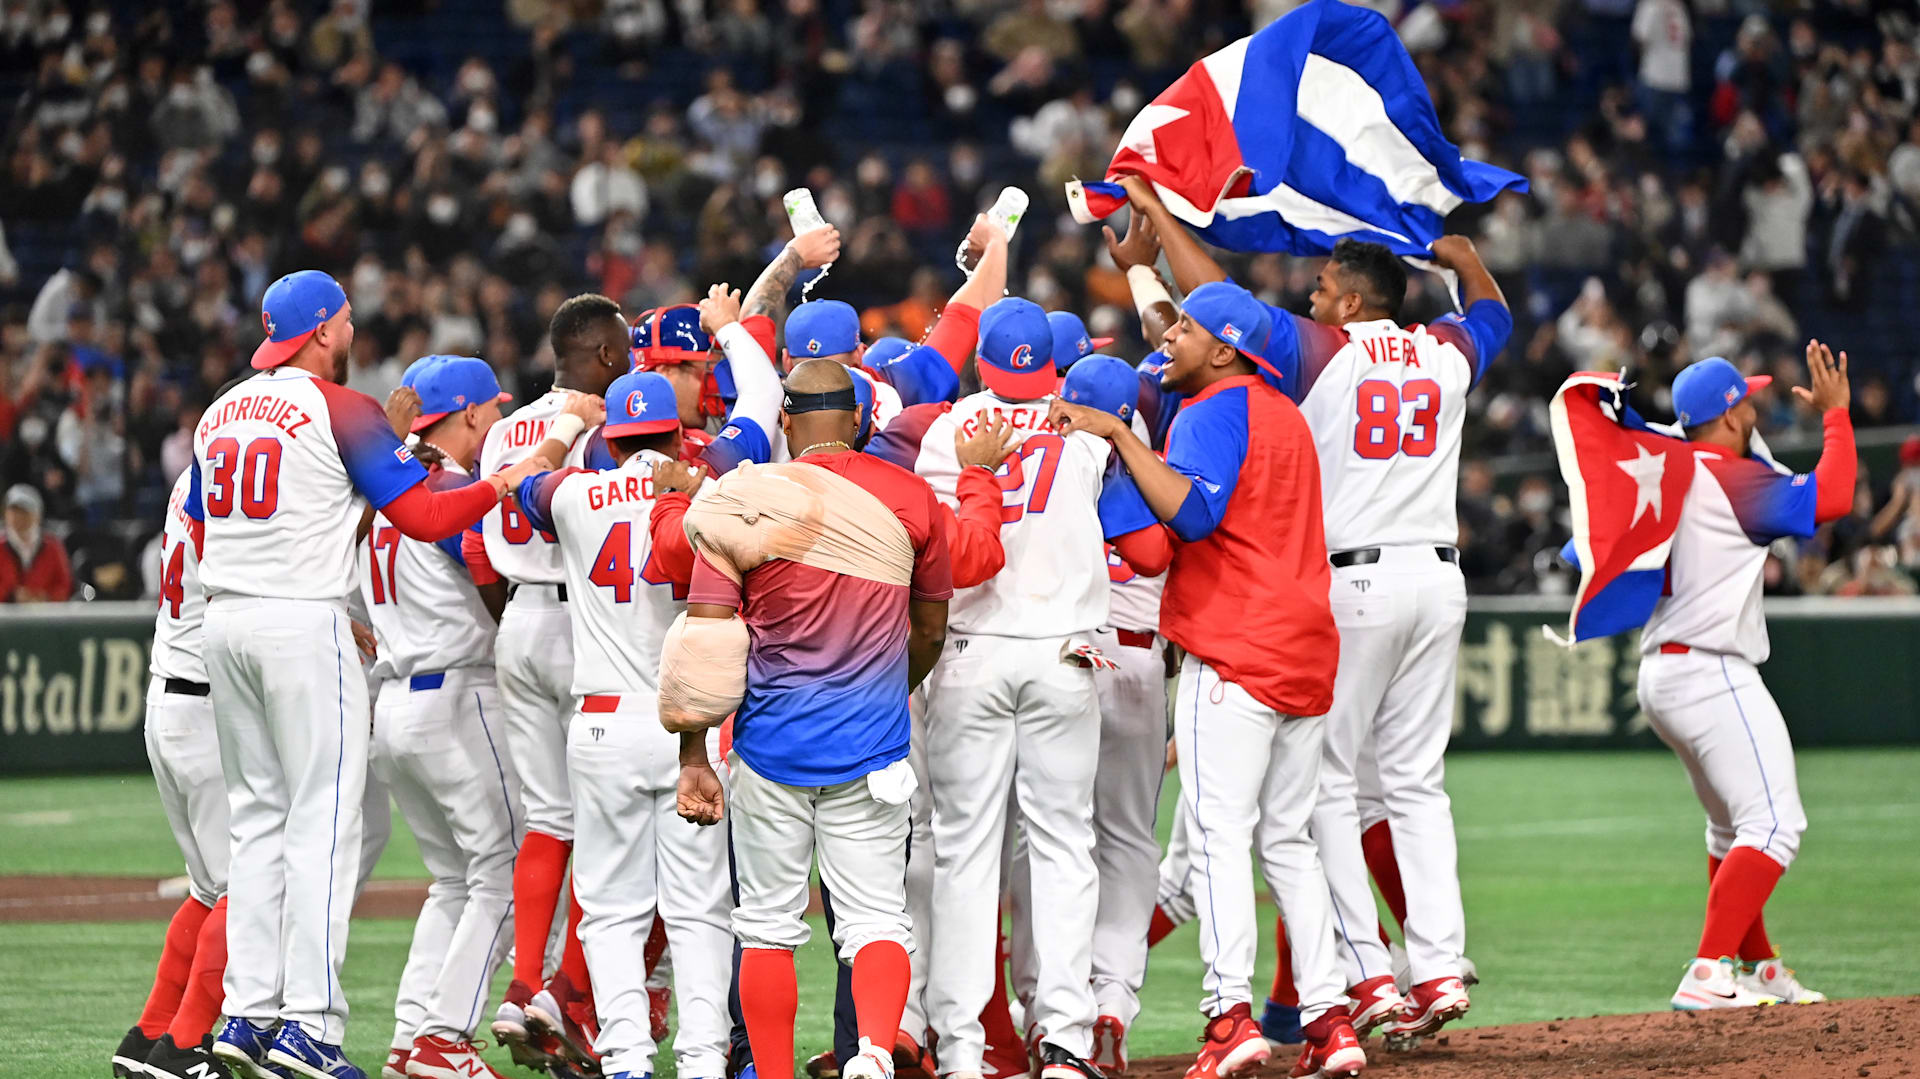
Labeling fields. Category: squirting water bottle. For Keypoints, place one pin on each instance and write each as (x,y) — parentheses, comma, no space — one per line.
(1007,211)
(804,215)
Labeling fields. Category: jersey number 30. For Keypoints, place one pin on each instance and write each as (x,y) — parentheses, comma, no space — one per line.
(1376,430)
(259,477)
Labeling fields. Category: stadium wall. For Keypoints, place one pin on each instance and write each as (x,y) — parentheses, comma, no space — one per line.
(73,680)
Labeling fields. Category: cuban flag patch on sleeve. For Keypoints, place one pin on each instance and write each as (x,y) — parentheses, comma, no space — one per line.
(402,454)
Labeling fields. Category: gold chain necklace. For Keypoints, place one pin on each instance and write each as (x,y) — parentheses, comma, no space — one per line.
(822,445)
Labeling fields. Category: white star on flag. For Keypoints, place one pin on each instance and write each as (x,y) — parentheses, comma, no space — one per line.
(1646,470)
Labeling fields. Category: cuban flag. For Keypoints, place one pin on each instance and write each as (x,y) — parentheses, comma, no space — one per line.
(1627,482)
(1315,129)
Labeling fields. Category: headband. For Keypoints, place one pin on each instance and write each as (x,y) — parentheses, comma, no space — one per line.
(830,401)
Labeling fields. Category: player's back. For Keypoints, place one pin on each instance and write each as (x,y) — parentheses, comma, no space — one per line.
(1054,583)
(619,600)
(1387,413)
(286,462)
(515,549)
(424,607)
(176,631)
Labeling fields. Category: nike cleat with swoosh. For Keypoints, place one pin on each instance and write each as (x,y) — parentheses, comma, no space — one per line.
(1710,984)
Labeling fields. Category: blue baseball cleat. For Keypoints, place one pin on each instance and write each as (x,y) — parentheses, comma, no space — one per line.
(242,1045)
(1281,1023)
(303,1055)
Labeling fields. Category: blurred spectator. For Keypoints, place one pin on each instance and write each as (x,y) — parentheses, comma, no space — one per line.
(1663,30)
(33,562)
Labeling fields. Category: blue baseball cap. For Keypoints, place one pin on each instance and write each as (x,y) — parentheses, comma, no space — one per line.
(863,396)
(885,351)
(1070,340)
(292,309)
(919,375)
(1705,389)
(414,369)
(1231,314)
(672,335)
(1105,383)
(822,328)
(1016,350)
(641,403)
(450,385)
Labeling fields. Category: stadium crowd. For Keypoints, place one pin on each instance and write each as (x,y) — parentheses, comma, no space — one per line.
(1705,178)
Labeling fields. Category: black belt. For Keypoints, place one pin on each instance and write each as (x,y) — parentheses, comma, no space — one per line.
(560,590)
(186,688)
(1368,555)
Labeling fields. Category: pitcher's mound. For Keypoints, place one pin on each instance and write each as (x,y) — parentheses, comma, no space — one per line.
(1844,1039)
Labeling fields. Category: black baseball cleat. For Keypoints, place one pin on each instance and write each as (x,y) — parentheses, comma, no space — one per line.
(1057,1063)
(130,1059)
(170,1061)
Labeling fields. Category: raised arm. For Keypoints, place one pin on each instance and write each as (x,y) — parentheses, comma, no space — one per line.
(809,250)
(1189,261)
(756,384)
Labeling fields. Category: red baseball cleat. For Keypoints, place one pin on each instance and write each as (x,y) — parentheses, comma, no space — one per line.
(1231,1045)
(909,1060)
(1109,1045)
(1375,1001)
(1430,1006)
(440,1058)
(1332,1049)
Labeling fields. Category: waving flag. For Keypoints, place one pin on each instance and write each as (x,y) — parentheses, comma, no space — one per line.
(1627,483)
(1315,129)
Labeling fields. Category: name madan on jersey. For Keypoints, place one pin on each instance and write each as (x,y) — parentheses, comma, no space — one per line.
(277,411)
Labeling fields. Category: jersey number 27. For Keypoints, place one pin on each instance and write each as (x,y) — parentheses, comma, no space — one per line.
(1012,475)
(1377,434)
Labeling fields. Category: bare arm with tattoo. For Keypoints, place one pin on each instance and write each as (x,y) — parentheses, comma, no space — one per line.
(810,249)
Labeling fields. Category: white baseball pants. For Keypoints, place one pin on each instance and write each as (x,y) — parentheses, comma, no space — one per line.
(290,705)
(920,861)
(1126,852)
(442,751)
(1716,714)
(1247,770)
(1400,620)
(1005,714)
(1175,895)
(533,658)
(184,749)
(635,859)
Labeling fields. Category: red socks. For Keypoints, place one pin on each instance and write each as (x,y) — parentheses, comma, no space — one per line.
(573,958)
(1004,1049)
(880,976)
(1376,843)
(538,872)
(1158,929)
(1739,890)
(1283,989)
(201,1004)
(176,963)
(769,997)
(1754,946)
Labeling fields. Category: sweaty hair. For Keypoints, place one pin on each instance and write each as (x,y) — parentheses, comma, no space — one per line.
(576,316)
(1379,273)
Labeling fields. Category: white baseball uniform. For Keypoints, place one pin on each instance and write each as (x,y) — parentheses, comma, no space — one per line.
(1387,406)
(182,744)
(285,463)
(1701,650)
(1008,712)
(635,856)
(533,652)
(439,742)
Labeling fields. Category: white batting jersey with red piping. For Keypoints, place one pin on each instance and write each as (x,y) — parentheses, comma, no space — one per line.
(183,604)
(1054,583)
(286,462)
(620,602)
(1387,411)
(421,601)
(516,550)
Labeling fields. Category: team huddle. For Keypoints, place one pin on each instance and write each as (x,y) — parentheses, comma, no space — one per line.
(744,594)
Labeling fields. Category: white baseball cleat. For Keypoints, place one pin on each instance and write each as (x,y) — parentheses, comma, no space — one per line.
(869,1063)
(1772,978)
(1711,984)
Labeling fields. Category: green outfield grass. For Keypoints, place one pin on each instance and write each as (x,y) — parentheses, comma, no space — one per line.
(1584,878)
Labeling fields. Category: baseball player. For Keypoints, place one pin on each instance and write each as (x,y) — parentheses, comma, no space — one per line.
(1246,598)
(533,662)
(440,738)
(172,1035)
(1133,745)
(290,716)
(1071,342)
(628,563)
(1700,652)
(1012,707)
(1387,406)
(838,570)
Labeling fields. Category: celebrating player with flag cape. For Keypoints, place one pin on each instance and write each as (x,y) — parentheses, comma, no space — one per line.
(1315,129)
(1627,483)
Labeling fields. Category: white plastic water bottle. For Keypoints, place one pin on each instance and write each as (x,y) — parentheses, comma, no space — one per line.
(1007,211)
(804,215)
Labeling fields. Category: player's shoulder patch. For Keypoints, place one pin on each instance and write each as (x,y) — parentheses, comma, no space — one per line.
(402,454)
